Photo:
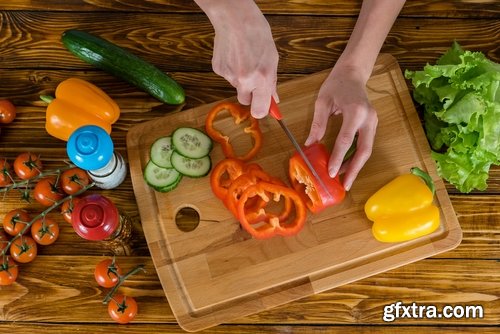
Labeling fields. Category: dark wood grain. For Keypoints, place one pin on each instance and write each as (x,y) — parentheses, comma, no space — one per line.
(72,287)
(428,8)
(18,327)
(180,43)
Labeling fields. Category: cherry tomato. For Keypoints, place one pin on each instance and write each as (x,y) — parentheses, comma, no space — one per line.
(23,249)
(48,191)
(67,208)
(73,180)
(8,271)
(15,221)
(4,240)
(107,273)
(45,231)
(5,173)
(122,309)
(7,111)
(27,165)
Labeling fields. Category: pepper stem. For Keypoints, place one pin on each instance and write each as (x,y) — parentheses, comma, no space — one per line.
(46,98)
(424,176)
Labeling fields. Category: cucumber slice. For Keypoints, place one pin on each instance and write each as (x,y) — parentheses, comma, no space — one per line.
(191,167)
(160,178)
(191,143)
(160,152)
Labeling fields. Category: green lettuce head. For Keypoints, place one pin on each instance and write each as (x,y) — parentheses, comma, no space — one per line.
(461,99)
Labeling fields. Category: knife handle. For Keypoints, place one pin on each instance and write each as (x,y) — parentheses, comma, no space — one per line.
(274,110)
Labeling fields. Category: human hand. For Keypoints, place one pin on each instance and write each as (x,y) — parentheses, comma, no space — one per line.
(344,93)
(244,52)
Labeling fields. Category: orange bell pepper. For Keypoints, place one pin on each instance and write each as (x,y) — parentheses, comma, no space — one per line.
(77,103)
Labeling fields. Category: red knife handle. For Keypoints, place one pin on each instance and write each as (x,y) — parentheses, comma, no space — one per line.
(274,110)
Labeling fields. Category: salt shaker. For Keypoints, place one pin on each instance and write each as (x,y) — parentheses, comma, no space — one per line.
(90,147)
(95,217)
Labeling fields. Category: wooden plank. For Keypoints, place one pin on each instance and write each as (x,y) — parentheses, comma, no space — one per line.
(24,87)
(51,285)
(24,327)
(205,285)
(478,216)
(305,45)
(454,8)
(29,65)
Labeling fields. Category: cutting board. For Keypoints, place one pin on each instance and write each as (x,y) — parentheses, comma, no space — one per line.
(216,272)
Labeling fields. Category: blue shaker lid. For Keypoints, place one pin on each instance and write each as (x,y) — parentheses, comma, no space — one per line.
(90,147)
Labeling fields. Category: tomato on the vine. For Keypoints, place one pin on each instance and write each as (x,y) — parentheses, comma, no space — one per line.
(27,165)
(8,270)
(4,240)
(107,273)
(7,111)
(23,249)
(68,207)
(48,191)
(73,180)
(122,309)
(45,231)
(5,173)
(15,221)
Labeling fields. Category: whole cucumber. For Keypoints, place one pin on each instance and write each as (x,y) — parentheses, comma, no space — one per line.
(123,64)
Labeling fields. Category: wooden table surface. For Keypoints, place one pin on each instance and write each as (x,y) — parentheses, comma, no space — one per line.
(57,294)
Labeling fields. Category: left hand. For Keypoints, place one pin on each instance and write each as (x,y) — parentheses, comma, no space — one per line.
(344,93)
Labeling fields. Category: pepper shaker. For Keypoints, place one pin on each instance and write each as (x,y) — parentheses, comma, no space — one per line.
(90,147)
(95,217)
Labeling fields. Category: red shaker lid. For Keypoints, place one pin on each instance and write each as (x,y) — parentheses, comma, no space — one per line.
(95,217)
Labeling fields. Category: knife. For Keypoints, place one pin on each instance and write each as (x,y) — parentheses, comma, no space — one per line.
(275,112)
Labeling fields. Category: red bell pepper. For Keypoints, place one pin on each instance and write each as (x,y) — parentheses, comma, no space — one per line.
(223,174)
(254,205)
(239,115)
(263,224)
(307,186)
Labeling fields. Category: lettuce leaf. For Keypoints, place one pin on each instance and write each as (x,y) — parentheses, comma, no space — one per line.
(461,99)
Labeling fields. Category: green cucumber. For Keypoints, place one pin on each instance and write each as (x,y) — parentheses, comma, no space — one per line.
(191,167)
(123,64)
(160,152)
(191,142)
(160,178)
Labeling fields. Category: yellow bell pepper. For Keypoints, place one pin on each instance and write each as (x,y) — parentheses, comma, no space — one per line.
(403,209)
(77,103)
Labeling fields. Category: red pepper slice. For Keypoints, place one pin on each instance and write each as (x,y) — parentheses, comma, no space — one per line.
(223,174)
(239,115)
(253,174)
(307,186)
(270,224)
(234,193)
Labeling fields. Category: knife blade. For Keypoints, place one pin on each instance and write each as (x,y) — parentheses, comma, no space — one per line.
(275,112)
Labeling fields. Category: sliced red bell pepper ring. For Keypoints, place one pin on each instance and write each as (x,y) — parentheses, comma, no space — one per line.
(252,174)
(303,181)
(239,115)
(271,225)
(234,192)
(223,174)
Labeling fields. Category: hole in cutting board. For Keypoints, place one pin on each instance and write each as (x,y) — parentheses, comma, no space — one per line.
(187,219)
